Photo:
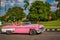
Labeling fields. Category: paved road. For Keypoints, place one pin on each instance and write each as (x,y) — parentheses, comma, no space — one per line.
(43,36)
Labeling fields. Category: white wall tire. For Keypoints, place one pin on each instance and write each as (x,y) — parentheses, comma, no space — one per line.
(32,32)
(8,32)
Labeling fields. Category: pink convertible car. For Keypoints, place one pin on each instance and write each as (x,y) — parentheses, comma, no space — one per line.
(24,28)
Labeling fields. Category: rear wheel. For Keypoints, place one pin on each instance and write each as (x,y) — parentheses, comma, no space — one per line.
(8,32)
(32,32)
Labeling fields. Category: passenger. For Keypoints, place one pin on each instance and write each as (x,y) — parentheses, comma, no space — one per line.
(20,23)
(15,23)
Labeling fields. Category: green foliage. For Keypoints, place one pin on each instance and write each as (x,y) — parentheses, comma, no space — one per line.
(58,5)
(14,14)
(39,10)
(58,13)
(58,10)
(53,16)
(2,18)
(26,5)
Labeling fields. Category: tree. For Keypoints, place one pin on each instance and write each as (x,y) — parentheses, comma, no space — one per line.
(58,10)
(3,17)
(57,0)
(14,14)
(26,5)
(52,16)
(57,13)
(39,10)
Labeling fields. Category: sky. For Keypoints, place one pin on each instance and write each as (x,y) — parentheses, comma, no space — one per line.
(20,3)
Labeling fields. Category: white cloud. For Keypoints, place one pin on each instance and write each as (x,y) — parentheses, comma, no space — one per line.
(20,1)
(2,3)
(12,3)
(54,2)
(53,8)
(43,0)
(31,1)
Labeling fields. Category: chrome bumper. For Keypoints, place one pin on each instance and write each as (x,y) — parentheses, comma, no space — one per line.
(41,30)
(9,29)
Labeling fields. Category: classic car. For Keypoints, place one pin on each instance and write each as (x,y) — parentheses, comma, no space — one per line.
(24,28)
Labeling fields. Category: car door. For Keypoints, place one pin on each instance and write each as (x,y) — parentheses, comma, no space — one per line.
(22,29)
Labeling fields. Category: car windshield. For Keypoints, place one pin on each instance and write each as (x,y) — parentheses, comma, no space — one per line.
(26,23)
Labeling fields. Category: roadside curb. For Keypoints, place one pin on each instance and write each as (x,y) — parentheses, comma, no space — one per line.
(52,29)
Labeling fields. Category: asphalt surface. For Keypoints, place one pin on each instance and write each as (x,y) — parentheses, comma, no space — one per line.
(43,36)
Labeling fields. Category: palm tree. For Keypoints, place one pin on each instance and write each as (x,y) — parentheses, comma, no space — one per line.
(26,5)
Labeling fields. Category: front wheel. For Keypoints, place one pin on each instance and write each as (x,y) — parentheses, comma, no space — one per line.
(32,32)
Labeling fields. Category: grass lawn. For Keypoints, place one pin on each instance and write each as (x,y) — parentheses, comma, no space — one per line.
(0,26)
(51,24)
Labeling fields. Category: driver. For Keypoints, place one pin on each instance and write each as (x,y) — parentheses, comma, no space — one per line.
(20,23)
